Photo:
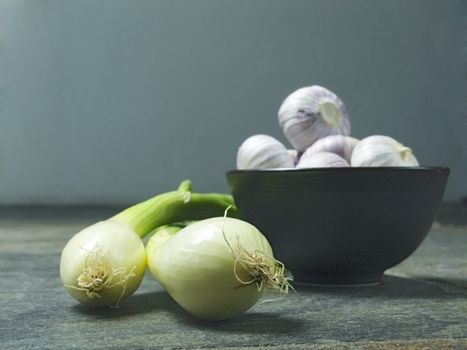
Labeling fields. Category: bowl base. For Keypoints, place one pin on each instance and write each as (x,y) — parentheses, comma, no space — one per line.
(350,278)
(327,285)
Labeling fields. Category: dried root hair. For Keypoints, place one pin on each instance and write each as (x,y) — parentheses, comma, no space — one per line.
(97,276)
(265,271)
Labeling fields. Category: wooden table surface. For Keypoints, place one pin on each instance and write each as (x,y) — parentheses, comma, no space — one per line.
(421,304)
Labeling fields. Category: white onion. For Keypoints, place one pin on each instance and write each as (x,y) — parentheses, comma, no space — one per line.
(216,268)
(103,264)
(311,113)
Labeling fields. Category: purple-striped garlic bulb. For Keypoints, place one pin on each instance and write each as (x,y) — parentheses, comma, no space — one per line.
(338,144)
(321,160)
(311,113)
(379,150)
(264,152)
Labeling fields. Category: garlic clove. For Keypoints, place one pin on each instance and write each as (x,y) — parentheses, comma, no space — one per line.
(263,152)
(295,155)
(338,144)
(311,113)
(321,160)
(380,150)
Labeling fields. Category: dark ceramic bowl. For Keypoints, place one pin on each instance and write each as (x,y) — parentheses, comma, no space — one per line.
(340,226)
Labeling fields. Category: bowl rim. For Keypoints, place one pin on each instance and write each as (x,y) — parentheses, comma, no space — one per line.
(341,169)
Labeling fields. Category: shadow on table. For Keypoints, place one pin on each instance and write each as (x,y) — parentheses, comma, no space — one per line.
(274,320)
(251,322)
(396,287)
(137,304)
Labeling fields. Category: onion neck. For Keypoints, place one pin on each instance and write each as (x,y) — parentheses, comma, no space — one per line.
(160,236)
(172,207)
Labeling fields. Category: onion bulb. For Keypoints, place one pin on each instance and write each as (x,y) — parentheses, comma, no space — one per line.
(215,268)
(378,150)
(311,113)
(104,263)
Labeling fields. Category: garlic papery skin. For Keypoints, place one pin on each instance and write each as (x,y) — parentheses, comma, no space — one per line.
(379,150)
(311,113)
(321,160)
(263,152)
(295,155)
(338,144)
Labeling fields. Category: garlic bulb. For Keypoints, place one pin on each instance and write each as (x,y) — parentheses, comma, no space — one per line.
(321,160)
(263,152)
(378,150)
(338,144)
(311,113)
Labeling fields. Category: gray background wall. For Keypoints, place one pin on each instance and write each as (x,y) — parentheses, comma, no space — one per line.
(111,101)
